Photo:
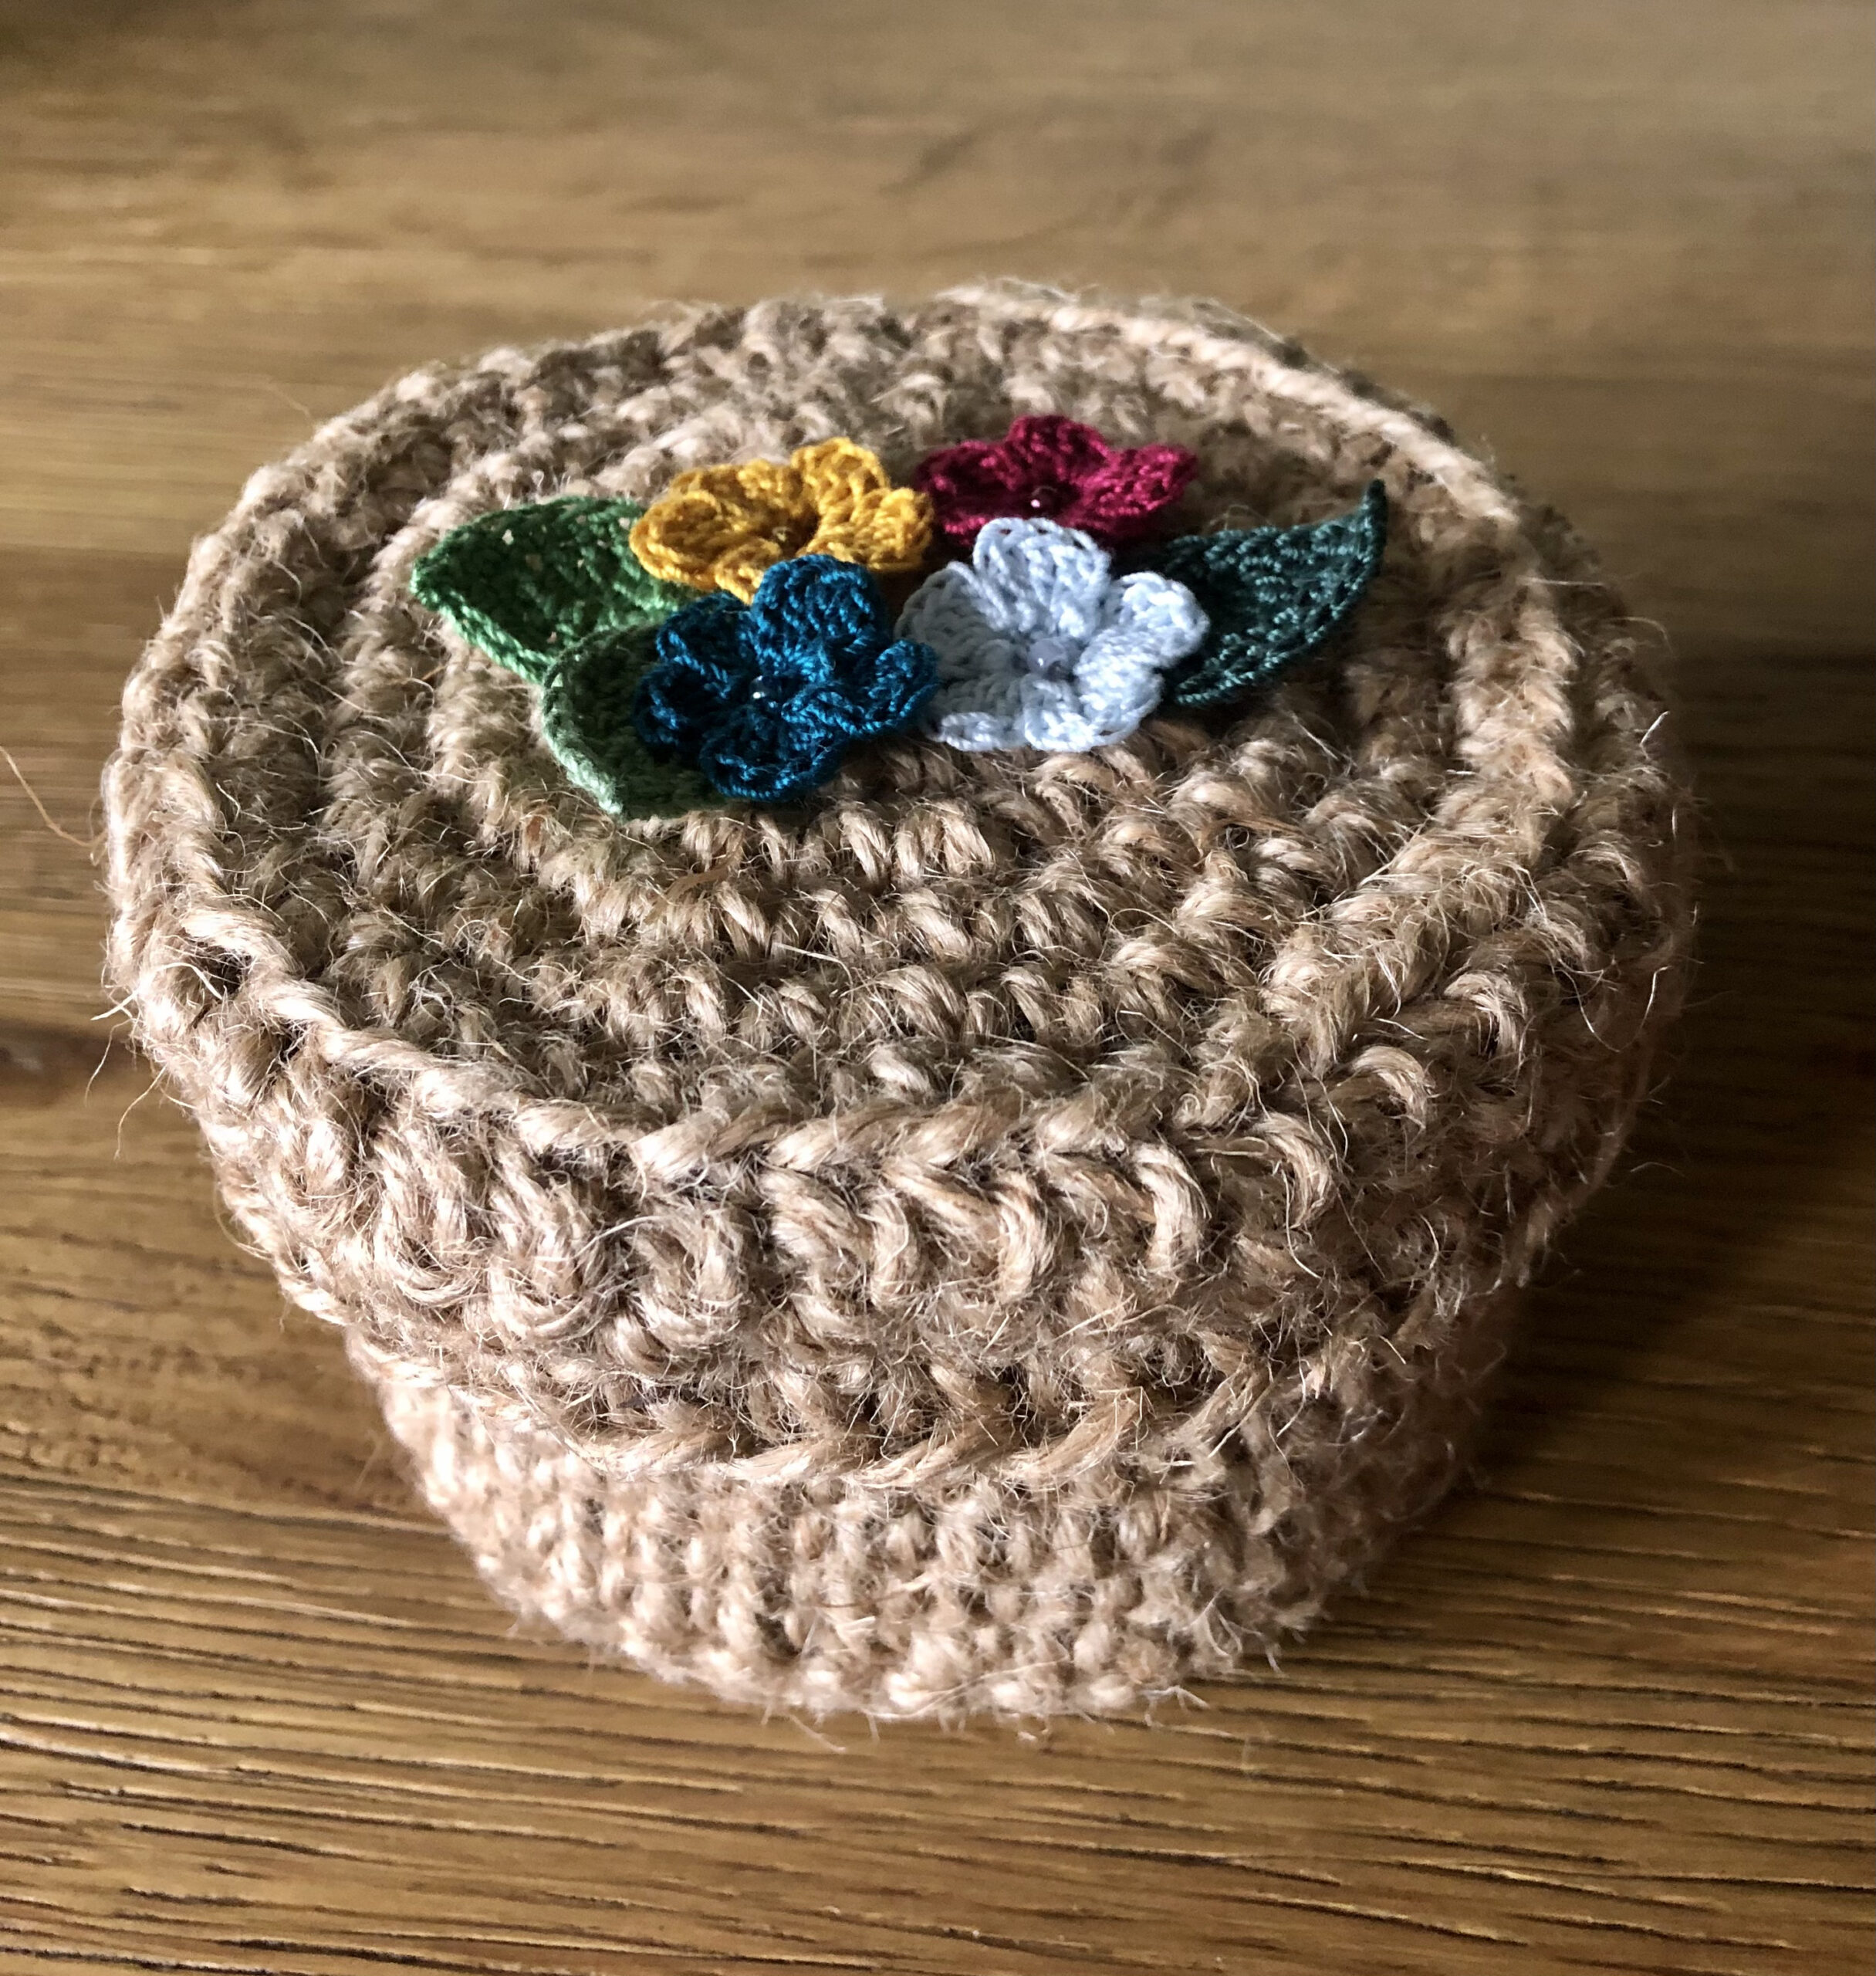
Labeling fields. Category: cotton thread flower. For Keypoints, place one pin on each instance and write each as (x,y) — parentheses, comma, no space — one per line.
(765,698)
(1052,469)
(719,528)
(1039,645)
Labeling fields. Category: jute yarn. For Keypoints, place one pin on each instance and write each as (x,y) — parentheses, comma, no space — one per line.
(1013,1231)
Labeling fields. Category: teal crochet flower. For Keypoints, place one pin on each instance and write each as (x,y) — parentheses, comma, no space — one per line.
(765,698)
(1273,595)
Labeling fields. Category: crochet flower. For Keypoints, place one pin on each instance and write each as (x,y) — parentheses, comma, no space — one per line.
(765,698)
(1052,469)
(720,527)
(1039,645)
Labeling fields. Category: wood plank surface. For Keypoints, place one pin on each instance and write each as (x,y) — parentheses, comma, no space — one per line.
(1610,1710)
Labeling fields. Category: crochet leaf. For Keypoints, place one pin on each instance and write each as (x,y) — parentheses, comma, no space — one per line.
(587,701)
(1273,595)
(528,584)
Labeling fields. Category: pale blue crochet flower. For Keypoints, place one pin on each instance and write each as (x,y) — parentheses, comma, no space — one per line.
(1040,645)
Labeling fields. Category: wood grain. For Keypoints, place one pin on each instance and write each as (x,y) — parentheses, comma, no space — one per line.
(1610,1710)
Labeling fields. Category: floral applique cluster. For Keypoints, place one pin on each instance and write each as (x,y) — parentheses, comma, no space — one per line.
(736,636)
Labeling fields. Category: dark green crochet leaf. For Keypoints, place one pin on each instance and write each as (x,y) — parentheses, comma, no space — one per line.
(587,719)
(1274,594)
(528,584)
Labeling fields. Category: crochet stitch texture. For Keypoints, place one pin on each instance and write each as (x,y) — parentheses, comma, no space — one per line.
(766,698)
(528,584)
(1272,595)
(1012,1233)
(1048,467)
(589,705)
(1039,645)
(720,527)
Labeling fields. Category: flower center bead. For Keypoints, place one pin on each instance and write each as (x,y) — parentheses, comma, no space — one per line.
(1049,499)
(1052,658)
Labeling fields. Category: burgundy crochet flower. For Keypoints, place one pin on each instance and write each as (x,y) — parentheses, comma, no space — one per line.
(1056,469)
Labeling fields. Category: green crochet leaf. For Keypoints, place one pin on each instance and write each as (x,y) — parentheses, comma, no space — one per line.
(528,584)
(587,719)
(1274,594)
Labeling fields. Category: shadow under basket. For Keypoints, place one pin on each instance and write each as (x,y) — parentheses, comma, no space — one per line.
(1002,1231)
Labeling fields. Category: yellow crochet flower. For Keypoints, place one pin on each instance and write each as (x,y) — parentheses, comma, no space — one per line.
(720,527)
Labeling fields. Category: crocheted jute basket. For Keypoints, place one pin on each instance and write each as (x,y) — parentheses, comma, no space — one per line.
(1010,1232)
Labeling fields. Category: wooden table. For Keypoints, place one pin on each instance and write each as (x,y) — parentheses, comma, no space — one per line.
(1610,1710)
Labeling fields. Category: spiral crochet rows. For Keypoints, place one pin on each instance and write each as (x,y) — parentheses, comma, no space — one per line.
(1009,1231)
